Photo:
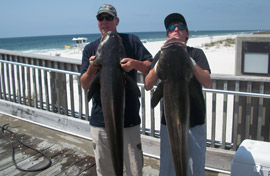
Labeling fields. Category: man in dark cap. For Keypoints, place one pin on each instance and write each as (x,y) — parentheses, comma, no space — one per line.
(137,58)
(176,27)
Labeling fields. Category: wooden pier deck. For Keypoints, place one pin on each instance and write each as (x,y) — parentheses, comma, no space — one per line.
(70,155)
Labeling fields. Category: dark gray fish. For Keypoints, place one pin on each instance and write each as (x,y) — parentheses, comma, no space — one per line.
(111,80)
(175,70)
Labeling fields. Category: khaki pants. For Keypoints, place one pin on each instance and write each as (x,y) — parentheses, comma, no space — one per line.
(133,157)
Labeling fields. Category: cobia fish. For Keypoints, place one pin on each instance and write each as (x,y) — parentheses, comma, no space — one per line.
(174,69)
(111,80)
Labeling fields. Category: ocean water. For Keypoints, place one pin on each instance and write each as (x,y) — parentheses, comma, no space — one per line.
(58,42)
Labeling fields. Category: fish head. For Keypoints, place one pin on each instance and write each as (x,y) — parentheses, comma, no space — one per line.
(174,63)
(111,44)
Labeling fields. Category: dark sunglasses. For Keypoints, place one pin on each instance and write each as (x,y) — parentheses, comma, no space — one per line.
(107,17)
(179,26)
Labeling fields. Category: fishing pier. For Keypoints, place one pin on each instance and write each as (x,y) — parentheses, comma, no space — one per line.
(42,95)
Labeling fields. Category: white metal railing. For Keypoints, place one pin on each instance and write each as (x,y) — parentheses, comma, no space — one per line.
(59,91)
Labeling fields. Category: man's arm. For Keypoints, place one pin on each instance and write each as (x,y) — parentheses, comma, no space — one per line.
(151,79)
(203,76)
(88,76)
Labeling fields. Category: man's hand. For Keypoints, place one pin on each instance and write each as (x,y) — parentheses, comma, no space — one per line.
(127,64)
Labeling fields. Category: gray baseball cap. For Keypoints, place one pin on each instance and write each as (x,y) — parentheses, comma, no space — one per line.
(107,8)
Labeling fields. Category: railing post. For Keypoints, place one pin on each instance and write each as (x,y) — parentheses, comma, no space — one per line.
(224,124)
(35,95)
(28,81)
(260,113)
(18,82)
(248,112)
(8,79)
(141,79)
(236,116)
(23,83)
(13,81)
(2,77)
(213,131)
(40,86)
(152,118)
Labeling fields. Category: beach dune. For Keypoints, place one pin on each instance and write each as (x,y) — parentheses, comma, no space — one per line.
(221,58)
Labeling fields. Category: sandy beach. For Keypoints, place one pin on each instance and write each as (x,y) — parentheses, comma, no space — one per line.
(221,58)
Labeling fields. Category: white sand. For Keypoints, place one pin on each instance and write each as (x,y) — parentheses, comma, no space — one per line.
(221,59)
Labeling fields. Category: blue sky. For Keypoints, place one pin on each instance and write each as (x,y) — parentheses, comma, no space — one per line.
(58,17)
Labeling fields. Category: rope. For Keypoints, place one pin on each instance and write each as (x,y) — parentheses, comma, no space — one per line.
(5,128)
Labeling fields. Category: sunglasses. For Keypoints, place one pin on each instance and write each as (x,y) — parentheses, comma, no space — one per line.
(107,17)
(179,26)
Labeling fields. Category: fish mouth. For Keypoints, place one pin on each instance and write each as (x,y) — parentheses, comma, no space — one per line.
(173,41)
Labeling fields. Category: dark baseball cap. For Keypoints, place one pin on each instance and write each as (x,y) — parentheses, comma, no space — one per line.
(174,17)
(107,8)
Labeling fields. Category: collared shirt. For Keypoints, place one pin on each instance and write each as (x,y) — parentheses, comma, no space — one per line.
(134,49)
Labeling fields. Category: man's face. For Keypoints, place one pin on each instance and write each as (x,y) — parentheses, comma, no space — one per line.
(107,23)
(179,31)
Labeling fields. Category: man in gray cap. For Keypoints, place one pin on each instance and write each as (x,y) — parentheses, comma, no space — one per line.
(176,27)
(137,58)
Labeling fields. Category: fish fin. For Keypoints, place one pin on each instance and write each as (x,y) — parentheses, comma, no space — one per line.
(157,95)
(131,84)
(95,85)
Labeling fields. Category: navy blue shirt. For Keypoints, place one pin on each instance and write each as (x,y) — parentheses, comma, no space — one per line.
(134,49)
(197,108)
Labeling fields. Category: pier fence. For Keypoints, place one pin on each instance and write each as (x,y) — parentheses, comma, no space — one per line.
(237,107)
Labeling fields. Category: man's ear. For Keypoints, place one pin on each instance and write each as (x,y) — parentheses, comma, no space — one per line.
(117,21)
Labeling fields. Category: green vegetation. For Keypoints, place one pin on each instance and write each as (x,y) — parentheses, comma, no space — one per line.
(227,43)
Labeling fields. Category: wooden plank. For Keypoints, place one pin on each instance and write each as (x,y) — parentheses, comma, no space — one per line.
(55,153)
(79,167)
(90,171)
(22,153)
(34,162)
(6,145)
(64,160)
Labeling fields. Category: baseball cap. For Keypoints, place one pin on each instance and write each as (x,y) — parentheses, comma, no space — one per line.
(174,17)
(107,8)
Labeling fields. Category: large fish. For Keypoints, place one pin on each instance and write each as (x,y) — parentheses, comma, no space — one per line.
(175,70)
(111,80)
